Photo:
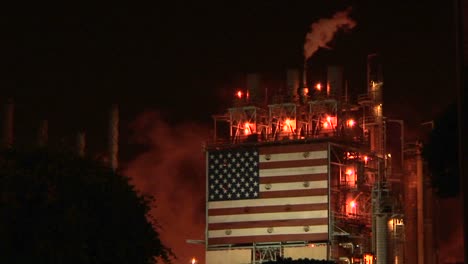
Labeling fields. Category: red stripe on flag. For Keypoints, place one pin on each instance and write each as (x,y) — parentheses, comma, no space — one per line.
(293,163)
(252,224)
(268,209)
(294,178)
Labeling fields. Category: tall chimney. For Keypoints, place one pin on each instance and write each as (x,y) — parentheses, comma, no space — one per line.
(293,80)
(81,143)
(8,124)
(114,137)
(43,134)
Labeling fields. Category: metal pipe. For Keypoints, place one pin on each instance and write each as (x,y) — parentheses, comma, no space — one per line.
(402,138)
(420,202)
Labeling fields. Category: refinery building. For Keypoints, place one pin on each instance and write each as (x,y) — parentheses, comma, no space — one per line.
(307,173)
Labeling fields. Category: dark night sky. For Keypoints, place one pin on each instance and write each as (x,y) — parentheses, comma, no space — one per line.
(68,64)
(178,57)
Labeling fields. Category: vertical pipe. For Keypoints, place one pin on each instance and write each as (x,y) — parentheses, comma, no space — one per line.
(81,143)
(114,137)
(381,240)
(420,202)
(43,134)
(8,124)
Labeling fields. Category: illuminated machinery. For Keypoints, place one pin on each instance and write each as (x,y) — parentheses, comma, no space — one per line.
(303,177)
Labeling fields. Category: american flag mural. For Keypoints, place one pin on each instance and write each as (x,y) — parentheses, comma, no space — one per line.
(267,194)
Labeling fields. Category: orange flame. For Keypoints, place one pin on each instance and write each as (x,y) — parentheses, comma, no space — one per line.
(239,94)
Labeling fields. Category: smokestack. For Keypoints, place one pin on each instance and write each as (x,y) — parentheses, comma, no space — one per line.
(114,137)
(293,80)
(420,202)
(334,81)
(81,143)
(43,134)
(253,87)
(8,124)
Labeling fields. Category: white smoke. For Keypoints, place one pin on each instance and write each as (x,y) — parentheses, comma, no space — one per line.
(322,31)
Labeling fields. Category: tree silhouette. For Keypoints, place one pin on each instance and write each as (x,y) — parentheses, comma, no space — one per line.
(441,153)
(58,208)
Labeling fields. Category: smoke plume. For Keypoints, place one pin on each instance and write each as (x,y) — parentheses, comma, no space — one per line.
(322,31)
(172,171)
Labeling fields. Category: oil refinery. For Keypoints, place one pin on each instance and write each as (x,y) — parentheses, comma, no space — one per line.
(308,174)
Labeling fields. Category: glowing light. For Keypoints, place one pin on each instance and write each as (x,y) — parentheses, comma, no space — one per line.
(247,130)
(350,122)
(349,172)
(318,86)
(329,122)
(389,155)
(287,123)
(305,91)
(311,245)
(193,261)
(366,159)
(239,94)
(353,204)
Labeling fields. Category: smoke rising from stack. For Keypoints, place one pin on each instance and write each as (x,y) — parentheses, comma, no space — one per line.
(323,31)
(172,170)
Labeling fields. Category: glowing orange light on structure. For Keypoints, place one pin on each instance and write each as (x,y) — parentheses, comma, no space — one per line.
(368,259)
(325,125)
(350,122)
(247,129)
(193,261)
(318,86)
(366,159)
(239,94)
(305,91)
(287,124)
(353,204)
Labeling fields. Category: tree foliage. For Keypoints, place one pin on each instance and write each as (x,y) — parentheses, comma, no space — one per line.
(441,153)
(59,208)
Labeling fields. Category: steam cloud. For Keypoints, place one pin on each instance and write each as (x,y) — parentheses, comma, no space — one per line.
(172,171)
(322,31)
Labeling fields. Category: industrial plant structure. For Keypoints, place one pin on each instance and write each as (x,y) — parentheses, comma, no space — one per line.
(305,176)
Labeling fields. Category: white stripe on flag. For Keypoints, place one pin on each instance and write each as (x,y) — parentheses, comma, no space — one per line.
(293,171)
